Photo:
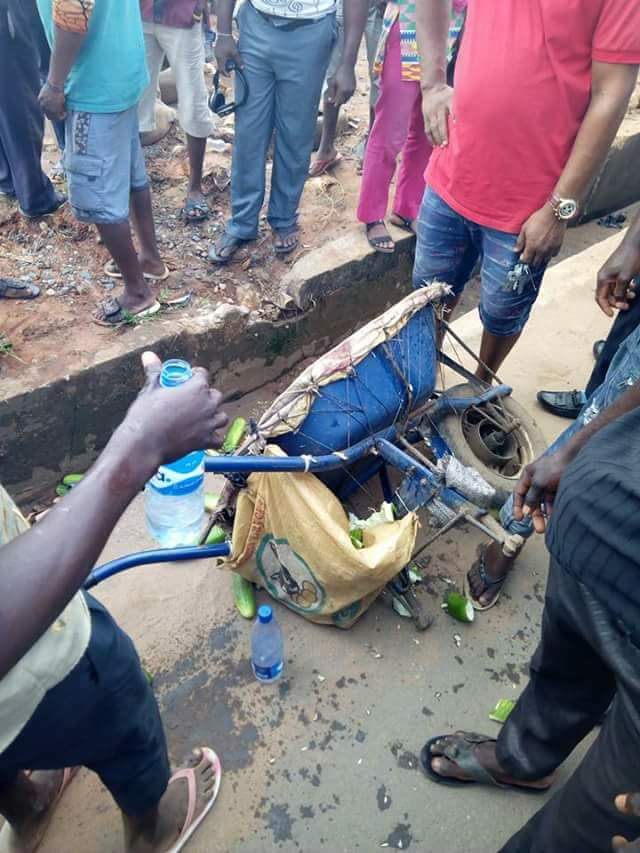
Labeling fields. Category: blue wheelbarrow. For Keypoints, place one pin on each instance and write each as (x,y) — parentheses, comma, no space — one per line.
(371,409)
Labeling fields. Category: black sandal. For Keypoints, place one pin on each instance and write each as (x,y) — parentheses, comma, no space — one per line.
(486,580)
(460,750)
(227,244)
(377,243)
(404,223)
(283,249)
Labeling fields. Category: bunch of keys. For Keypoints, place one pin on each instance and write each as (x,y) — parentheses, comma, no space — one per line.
(518,278)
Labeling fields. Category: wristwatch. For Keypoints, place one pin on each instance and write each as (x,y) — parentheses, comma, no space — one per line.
(564,209)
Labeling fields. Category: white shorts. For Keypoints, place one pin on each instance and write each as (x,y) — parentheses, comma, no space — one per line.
(184,48)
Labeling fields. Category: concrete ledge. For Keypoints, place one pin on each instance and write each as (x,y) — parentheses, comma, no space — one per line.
(51,426)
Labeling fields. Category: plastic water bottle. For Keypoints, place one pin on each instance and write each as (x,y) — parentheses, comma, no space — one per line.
(267,656)
(174,497)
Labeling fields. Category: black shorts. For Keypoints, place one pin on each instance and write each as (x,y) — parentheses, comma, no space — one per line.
(103,716)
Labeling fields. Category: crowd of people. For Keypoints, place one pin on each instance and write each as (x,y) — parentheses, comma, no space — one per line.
(501,116)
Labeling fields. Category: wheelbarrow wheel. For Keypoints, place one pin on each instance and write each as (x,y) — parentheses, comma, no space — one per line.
(478,442)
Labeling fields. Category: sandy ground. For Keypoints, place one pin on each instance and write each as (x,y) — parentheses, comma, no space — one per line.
(327,758)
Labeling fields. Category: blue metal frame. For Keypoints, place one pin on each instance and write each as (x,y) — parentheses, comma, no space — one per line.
(420,484)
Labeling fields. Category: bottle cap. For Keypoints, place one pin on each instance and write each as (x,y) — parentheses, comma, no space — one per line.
(175,371)
(265,614)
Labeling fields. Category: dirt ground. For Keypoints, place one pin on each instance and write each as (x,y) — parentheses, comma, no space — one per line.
(64,258)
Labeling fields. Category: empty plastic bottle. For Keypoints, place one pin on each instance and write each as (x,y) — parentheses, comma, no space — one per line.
(267,654)
(174,497)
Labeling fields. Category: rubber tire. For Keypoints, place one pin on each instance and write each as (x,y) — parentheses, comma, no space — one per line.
(450,428)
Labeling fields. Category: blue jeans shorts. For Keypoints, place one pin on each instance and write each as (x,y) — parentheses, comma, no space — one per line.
(104,164)
(448,249)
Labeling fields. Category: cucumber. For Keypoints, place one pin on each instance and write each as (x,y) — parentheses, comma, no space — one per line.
(356,538)
(244,596)
(460,607)
(234,435)
(211,501)
(502,710)
(217,535)
(62,490)
(72,480)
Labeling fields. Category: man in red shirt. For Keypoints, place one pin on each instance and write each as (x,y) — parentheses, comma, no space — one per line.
(540,90)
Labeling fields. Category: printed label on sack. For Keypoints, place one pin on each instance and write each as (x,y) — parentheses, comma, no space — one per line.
(182,477)
(267,673)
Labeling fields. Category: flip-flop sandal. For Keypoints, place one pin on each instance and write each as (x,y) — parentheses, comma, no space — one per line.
(12,289)
(377,243)
(321,167)
(283,250)
(111,314)
(169,301)
(7,841)
(486,580)
(402,222)
(227,244)
(189,773)
(195,211)
(111,269)
(461,751)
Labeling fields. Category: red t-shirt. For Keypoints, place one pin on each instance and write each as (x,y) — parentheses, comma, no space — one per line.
(522,88)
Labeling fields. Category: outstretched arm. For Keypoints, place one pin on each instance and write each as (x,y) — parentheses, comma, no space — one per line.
(42,570)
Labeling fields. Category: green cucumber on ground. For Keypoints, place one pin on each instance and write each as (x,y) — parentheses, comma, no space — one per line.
(244,595)
(62,490)
(459,607)
(72,480)
(234,435)
(502,710)
(216,536)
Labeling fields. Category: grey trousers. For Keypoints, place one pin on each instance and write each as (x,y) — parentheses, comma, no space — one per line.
(285,70)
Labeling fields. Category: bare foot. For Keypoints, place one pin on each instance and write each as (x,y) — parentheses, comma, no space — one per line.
(495,567)
(159,830)
(153,266)
(486,756)
(135,301)
(30,807)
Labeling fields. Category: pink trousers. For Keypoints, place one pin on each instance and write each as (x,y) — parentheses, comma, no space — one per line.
(398,127)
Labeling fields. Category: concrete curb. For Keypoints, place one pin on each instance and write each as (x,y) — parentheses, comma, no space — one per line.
(49,428)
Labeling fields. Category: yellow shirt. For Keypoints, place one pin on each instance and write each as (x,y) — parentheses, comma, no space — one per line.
(50,659)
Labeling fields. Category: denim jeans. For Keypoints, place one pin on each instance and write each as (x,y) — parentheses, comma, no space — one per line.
(448,248)
(285,68)
(624,371)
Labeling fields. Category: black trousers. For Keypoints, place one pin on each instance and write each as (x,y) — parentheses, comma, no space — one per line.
(624,324)
(103,716)
(586,657)
(21,119)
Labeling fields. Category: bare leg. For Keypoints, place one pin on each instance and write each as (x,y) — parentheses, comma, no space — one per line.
(327,150)
(117,238)
(159,828)
(26,805)
(493,351)
(143,225)
(196,148)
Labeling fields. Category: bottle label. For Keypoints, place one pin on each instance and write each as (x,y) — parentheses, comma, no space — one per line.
(267,673)
(180,478)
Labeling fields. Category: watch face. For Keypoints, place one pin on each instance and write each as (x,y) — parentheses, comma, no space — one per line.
(567,209)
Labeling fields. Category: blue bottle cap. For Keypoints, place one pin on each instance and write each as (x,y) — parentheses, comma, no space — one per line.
(175,371)
(265,614)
